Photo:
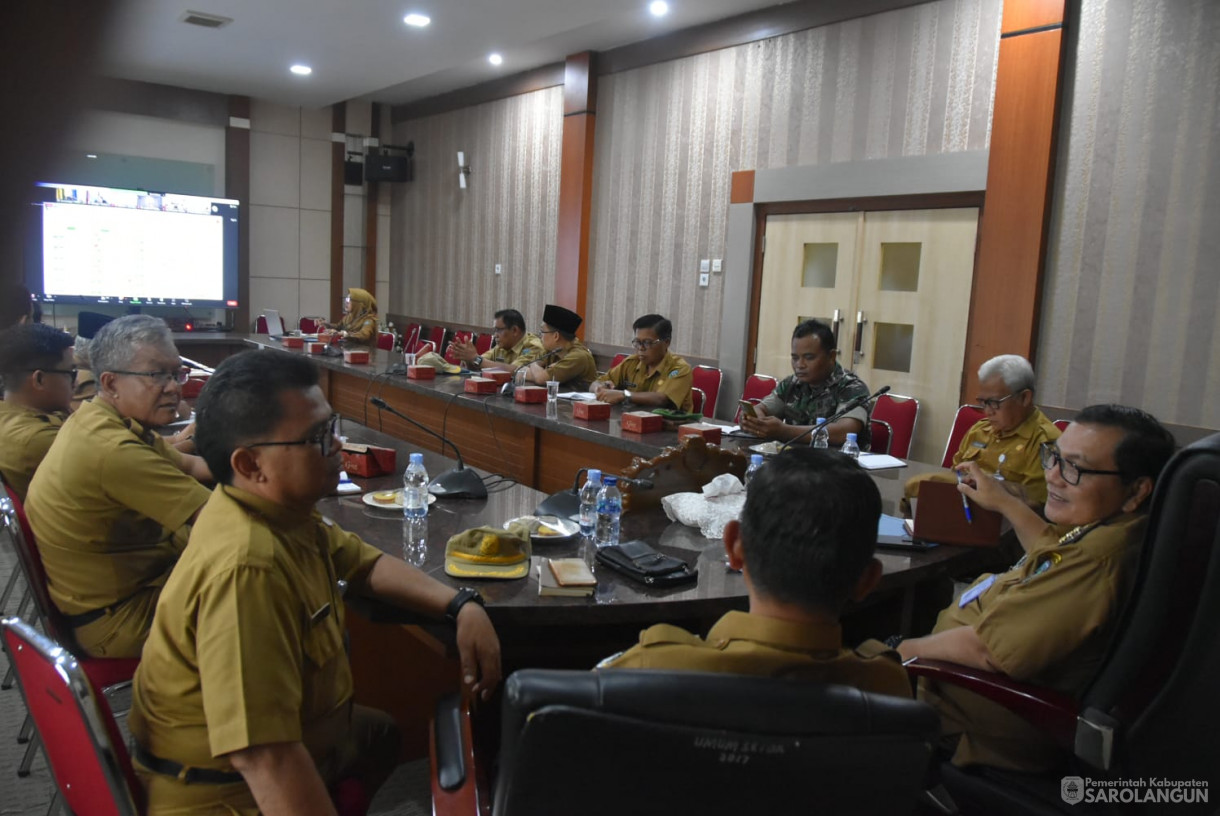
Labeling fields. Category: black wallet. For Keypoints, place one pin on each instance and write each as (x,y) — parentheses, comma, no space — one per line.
(642,563)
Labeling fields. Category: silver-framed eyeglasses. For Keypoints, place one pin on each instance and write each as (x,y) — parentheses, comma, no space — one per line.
(643,345)
(161,378)
(326,438)
(1070,471)
(994,404)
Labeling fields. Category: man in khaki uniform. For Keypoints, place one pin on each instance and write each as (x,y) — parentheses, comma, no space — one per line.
(566,361)
(111,502)
(37,371)
(652,377)
(1048,620)
(243,699)
(805,546)
(514,345)
(1006,442)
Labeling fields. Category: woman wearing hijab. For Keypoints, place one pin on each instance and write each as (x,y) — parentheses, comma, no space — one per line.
(359,323)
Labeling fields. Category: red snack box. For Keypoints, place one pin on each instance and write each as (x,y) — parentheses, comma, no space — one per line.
(421,372)
(710,433)
(481,385)
(316,348)
(293,342)
(641,422)
(368,460)
(530,393)
(356,356)
(590,410)
(500,376)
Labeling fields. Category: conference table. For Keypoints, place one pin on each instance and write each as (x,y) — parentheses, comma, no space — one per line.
(402,661)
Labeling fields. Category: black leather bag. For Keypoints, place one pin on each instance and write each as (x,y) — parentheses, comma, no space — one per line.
(642,563)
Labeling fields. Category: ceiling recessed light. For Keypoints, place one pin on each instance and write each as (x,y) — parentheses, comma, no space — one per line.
(659,8)
(495,59)
(301,70)
(417,20)
(90,155)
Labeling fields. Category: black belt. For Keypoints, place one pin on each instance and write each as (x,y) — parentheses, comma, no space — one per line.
(182,773)
(86,618)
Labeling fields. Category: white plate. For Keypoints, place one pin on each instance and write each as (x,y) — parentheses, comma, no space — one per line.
(368,499)
(568,529)
(766,448)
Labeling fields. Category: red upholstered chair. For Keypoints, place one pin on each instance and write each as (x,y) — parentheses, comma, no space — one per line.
(80,737)
(618,358)
(1062,424)
(757,387)
(707,379)
(483,342)
(309,325)
(410,337)
(108,674)
(438,336)
(901,413)
(260,326)
(881,433)
(424,347)
(386,340)
(1149,712)
(451,353)
(728,744)
(963,421)
(192,387)
(697,400)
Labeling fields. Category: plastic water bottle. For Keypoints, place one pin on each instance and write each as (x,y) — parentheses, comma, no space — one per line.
(415,488)
(756,461)
(821,434)
(609,512)
(850,448)
(415,540)
(588,503)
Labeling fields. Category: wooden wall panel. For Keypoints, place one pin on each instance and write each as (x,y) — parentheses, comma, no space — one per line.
(576,183)
(1022,15)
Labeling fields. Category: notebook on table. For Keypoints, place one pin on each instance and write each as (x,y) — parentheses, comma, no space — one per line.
(940,517)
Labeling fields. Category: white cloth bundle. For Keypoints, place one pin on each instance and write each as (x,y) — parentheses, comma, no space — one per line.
(719,503)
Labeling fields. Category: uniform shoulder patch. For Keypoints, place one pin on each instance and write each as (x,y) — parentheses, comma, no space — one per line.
(666,633)
(673,373)
(875,648)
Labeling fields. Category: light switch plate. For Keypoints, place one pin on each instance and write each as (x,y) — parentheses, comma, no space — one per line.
(704,278)
(715,264)
(499,269)
(704,265)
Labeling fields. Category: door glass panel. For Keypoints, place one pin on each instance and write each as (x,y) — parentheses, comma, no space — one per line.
(899,266)
(892,343)
(821,263)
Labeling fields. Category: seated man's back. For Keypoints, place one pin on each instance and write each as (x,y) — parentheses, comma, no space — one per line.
(805,545)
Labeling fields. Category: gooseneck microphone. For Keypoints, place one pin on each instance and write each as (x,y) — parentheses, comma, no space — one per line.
(844,411)
(459,483)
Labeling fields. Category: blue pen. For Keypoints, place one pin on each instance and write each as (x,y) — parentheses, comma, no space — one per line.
(965,501)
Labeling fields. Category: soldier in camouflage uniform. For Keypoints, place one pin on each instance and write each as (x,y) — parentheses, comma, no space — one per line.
(818,387)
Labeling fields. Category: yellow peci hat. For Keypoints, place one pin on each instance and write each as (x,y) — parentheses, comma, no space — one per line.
(489,552)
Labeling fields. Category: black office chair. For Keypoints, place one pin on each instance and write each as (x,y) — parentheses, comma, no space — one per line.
(1152,709)
(652,742)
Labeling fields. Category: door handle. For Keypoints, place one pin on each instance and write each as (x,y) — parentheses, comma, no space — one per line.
(835,320)
(858,351)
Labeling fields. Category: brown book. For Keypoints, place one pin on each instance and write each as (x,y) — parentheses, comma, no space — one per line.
(570,572)
(547,585)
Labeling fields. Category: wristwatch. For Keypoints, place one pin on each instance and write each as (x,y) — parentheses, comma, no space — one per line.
(476,363)
(464,596)
(626,396)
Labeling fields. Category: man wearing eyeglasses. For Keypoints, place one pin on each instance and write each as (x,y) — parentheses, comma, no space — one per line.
(1048,619)
(567,360)
(514,346)
(1006,442)
(652,377)
(111,504)
(37,371)
(243,699)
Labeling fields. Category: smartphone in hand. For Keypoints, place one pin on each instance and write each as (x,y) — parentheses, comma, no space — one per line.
(747,409)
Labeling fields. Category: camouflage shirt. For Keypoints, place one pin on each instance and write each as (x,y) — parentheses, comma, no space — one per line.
(798,403)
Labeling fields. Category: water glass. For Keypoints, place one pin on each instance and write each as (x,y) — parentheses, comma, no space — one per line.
(408,358)
(552,390)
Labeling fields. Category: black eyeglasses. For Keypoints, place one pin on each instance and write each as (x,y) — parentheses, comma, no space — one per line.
(499,329)
(994,404)
(161,378)
(327,438)
(548,331)
(1070,471)
(644,345)
(69,371)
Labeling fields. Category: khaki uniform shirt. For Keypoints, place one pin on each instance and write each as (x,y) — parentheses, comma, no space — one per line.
(362,329)
(109,508)
(672,377)
(741,643)
(247,645)
(26,435)
(1046,621)
(528,349)
(574,368)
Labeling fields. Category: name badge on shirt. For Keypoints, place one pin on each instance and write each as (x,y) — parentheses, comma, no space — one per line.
(978,444)
(322,614)
(975,591)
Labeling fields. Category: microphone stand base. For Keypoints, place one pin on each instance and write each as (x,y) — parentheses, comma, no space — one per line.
(459,483)
(565,504)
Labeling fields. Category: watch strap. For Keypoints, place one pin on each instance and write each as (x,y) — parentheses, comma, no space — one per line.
(464,596)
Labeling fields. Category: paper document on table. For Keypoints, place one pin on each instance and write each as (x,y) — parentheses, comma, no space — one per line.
(891,526)
(880,461)
(578,395)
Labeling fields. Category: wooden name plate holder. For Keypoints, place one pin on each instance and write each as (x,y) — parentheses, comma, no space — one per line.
(685,468)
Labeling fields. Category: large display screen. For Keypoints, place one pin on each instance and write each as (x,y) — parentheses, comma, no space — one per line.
(107,245)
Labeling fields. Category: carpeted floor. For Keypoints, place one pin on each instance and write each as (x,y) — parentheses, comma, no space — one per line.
(407,793)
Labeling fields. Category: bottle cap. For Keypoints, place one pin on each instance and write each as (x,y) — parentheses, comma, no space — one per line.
(610,481)
(595,475)
(851,437)
(417,458)
(755,458)
(821,421)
